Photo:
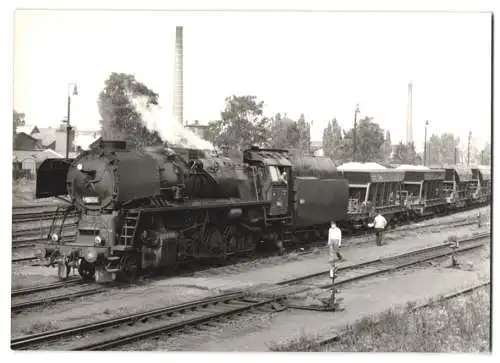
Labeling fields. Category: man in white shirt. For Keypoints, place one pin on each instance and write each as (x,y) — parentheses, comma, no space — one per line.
(334,241)
(379,223)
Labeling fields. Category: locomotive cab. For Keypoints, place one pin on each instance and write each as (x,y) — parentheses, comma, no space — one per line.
(273,173)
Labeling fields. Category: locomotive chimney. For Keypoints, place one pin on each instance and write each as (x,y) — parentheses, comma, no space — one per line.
(409,125)
(178,105)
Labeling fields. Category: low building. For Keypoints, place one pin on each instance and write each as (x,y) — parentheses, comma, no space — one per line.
(27,161)
(24,141)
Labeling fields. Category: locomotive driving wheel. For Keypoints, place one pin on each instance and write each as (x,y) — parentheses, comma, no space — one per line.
(213,241)
(129,267)
(229,239)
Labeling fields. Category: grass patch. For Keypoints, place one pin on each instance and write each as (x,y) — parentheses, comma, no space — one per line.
(458,325)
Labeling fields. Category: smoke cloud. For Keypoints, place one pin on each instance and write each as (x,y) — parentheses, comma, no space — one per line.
(158,119)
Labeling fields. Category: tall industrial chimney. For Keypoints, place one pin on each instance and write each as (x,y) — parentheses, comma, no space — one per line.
(409,124)
(178,103)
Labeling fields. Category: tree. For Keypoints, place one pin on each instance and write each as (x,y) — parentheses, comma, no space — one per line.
(434,150)
(332,140)
(406,154)
(242,123)
(304,130)
(448,145)
(120,117)
(285,133)
(369,141)
(17,120)
(444,149)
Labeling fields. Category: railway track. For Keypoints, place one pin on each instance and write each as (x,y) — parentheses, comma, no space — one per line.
(31,242)
(203,313)
(33,289)
(37,206)
(26,298)
(36,216)
(354,272)
(43,229)
(107,334)
(24,259)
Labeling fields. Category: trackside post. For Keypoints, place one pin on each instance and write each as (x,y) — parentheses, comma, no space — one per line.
(334,301)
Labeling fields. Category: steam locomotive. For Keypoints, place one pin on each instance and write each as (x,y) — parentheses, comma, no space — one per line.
(155,208)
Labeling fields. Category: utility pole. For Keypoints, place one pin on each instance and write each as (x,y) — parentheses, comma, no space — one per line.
(425,142)
(455,156)
(354,133)
(468,149)
(68,125)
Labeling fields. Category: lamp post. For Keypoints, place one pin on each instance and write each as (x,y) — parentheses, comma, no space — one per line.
(425,142)
(354,133)
(68,125)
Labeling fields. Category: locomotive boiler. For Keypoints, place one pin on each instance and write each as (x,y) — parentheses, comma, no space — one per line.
(156,208)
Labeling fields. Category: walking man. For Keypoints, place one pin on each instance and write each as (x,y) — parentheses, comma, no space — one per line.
(334,241)
(379,223)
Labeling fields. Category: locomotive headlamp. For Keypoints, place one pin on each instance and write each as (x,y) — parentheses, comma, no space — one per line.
(98,240)
(79,166)
(91,255)
(91,200)
(54,237)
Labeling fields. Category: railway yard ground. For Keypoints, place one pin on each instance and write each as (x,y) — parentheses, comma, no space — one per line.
(292,328)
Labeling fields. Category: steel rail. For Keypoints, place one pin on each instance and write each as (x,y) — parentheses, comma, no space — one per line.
(37,216)
(355,266)
(24,259)
(414,260)
(124,338)
(45,228)
(16,308)
(40,338)
(35,289)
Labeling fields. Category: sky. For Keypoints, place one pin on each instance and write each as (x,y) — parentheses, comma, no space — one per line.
(319,64)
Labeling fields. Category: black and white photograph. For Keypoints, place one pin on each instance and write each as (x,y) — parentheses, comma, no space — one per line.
(251,181)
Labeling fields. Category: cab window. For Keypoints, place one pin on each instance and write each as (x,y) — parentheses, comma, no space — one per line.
(274,173)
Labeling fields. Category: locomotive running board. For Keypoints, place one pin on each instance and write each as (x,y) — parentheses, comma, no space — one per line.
(51,178)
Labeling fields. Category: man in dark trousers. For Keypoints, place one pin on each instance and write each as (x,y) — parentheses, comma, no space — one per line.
(379,223)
